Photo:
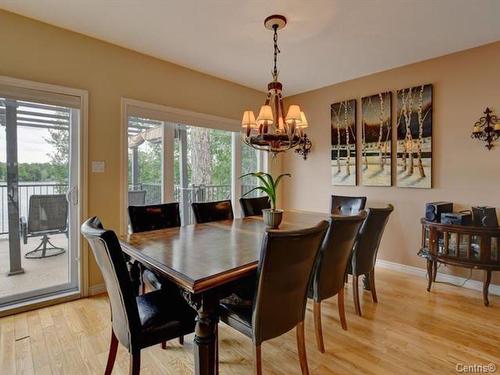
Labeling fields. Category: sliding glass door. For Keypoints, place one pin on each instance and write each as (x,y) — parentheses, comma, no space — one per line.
(38,194)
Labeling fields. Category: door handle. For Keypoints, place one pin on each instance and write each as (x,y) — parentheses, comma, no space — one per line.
(72,195)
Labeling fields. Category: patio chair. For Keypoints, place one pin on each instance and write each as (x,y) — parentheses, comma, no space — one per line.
(47,214)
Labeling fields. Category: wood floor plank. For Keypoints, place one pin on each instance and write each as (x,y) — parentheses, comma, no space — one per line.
(409,331)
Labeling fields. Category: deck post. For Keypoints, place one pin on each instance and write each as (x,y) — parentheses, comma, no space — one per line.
(12,187)
(135,168)
(183,174)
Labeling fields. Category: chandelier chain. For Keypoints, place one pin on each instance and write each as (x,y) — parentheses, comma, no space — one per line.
(276,51)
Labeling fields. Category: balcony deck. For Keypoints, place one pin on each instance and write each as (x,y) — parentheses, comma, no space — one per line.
(38,273)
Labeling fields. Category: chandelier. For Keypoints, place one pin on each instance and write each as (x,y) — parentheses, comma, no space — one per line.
(272,131)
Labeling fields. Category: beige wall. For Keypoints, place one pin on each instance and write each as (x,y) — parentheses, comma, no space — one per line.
(465,172)
(36,51)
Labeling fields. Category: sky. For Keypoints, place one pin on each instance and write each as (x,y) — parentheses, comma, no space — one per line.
(32,147)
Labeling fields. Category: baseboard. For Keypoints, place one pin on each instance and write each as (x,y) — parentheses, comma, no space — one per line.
(469,284)
(97,289)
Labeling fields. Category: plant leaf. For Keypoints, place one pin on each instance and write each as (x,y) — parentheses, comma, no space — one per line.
(261,188)
(279,179)
(259,175)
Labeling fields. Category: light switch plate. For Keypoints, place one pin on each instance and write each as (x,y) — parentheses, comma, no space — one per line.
(98,166)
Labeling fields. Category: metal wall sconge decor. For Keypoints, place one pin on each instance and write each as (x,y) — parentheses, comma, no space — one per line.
(487,129)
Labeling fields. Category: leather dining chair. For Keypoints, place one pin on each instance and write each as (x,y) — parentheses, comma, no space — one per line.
(205,212)
(153,217)
(137,321)
(254,206)
(330,268)
(279,302)
(148,218)
(365,251)
(344,205)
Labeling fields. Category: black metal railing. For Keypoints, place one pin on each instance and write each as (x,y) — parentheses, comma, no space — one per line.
(190,194)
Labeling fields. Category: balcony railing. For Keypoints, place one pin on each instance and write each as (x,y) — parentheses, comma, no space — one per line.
(193,193)
(188,195)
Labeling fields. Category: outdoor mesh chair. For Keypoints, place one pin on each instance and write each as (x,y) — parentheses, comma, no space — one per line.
(47,214)
(136,197)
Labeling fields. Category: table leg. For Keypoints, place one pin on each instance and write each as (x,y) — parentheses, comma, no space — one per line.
(486,286)
(205,336)
(429,274)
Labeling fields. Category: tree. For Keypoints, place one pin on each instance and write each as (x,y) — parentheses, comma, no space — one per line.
(59,139)
(201,161)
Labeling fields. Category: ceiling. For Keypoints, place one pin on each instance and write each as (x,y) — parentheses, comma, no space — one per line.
(325,42)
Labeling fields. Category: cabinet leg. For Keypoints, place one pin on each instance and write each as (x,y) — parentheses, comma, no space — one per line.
(429,275)
(486,286)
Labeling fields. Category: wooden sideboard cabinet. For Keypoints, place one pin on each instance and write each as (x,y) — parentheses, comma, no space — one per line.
(462,246)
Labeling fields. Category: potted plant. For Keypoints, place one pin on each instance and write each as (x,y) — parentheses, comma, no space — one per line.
(269,185)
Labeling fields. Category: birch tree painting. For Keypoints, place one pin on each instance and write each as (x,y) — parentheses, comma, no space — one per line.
(376,140)
(414,129)
(343,127)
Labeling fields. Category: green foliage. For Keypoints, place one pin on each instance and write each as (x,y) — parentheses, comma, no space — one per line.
(269,185)
(220,149)
(37,172)
(59,139)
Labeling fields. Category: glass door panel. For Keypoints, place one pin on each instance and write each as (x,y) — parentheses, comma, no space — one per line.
(202,162)
(250,160)
(145,161)
(38,200)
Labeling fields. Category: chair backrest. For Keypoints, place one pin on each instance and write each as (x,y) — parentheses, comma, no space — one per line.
(334,255)
(344,205)
(136,197)
(153,217)
(254,206)
(205,212)
(109,257)
(48,213)
(370,235)
(283,275)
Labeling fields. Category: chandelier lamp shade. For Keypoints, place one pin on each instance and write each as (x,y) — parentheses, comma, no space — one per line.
(272,130)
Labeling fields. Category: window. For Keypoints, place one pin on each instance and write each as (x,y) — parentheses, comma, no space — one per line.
(194,160)
(145,160)
(250,163)
(202,163)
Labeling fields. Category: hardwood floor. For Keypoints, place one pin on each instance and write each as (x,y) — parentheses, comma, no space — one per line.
(408,331)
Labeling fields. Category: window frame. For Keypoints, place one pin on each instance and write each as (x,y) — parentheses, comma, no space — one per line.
(132,107)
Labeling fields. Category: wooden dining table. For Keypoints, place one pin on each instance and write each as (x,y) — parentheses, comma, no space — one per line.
(206,261)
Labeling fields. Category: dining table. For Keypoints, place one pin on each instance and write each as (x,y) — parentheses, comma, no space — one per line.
(206,261)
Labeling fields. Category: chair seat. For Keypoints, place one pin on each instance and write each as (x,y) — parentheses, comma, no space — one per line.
(163,317)
(237,316)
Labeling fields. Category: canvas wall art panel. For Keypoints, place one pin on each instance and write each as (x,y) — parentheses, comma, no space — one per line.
(376,140)
(343,138)
(414,137)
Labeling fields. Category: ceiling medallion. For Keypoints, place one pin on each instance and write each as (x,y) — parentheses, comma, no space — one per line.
(272,131)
